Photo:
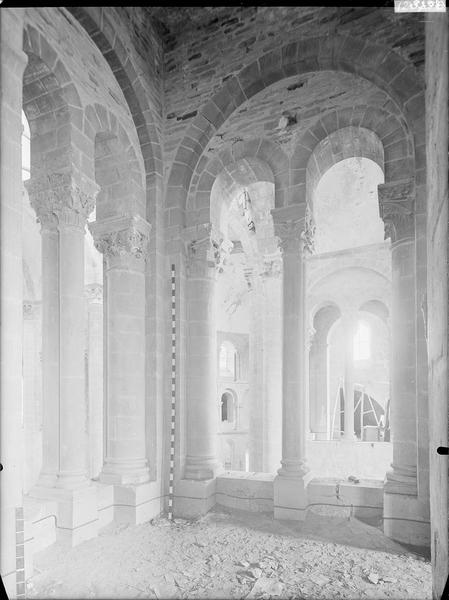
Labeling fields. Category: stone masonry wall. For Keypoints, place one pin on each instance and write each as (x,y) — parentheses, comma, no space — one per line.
(202,59)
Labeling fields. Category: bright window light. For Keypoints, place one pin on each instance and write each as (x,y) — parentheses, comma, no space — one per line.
(362,342)
(25,148)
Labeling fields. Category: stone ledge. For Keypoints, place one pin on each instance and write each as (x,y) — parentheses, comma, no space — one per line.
(246,491)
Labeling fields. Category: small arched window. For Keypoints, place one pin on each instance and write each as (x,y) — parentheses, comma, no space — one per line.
(362,342)
(26,136)
(227,360)
(227,407)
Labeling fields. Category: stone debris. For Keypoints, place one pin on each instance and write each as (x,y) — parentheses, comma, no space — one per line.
(373,577)
(265,588)
(243,555)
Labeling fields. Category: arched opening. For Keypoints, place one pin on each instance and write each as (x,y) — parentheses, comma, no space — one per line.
(227,408)
(349,352)
(248,309)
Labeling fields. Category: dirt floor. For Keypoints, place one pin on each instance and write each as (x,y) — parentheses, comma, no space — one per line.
(235,555)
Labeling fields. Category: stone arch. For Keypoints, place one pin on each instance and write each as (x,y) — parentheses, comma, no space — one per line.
(52,106)
(380,284)
(231,179)
(376,307)
(383,136)
(322,310)
(343,143)
(114,164)
(103,34)
(376,63)
(260,149)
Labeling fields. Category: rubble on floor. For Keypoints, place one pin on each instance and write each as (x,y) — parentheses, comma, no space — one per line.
(235,555)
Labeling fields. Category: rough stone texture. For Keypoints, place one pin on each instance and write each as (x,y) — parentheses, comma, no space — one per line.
(171,117)
(437,310)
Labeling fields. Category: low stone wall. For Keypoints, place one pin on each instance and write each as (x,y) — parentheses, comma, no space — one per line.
(369,460)
(246,491)
(254,492)
(363,500)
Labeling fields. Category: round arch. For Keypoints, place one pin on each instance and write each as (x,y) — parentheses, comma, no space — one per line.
(376,63)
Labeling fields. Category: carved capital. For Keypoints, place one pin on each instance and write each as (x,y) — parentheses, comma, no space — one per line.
(308,235)
(205,256)
(272,266)
(122,237)
(58,200)
(396,208)
(289,234)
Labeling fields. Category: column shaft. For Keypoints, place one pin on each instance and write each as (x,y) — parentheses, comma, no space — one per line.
(50,355)
(349,324)
(293,362)
(290,486)
(202,426)
(124,242)
(73,448)
(403,392)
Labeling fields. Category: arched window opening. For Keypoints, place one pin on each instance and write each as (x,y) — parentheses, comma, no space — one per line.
(227,407)
(362,342)
(25,148)
(228,360)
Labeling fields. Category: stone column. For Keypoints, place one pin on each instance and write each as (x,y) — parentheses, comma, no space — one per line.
(349,324)
(272,363)
(12,65)
(202,426)
(400,490)
(124,243)
(32,391)
(94,375)
(62,209)
(257,423)
(318,386)
(290,494)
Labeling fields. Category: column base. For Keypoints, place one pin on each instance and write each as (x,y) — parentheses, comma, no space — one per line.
(401,480)
(291,496)
(200,469)
(125,472)
(136,504)
(194,498)
(76,512)
(406,519)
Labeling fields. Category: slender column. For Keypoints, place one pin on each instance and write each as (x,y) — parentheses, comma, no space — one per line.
(257,423)
(349,322)
(272,364)
(293,365)
(32,391)
(94,375)
(290,485)
(62,209)
(124,243)
(318,386)
(396,209)
(202,426)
